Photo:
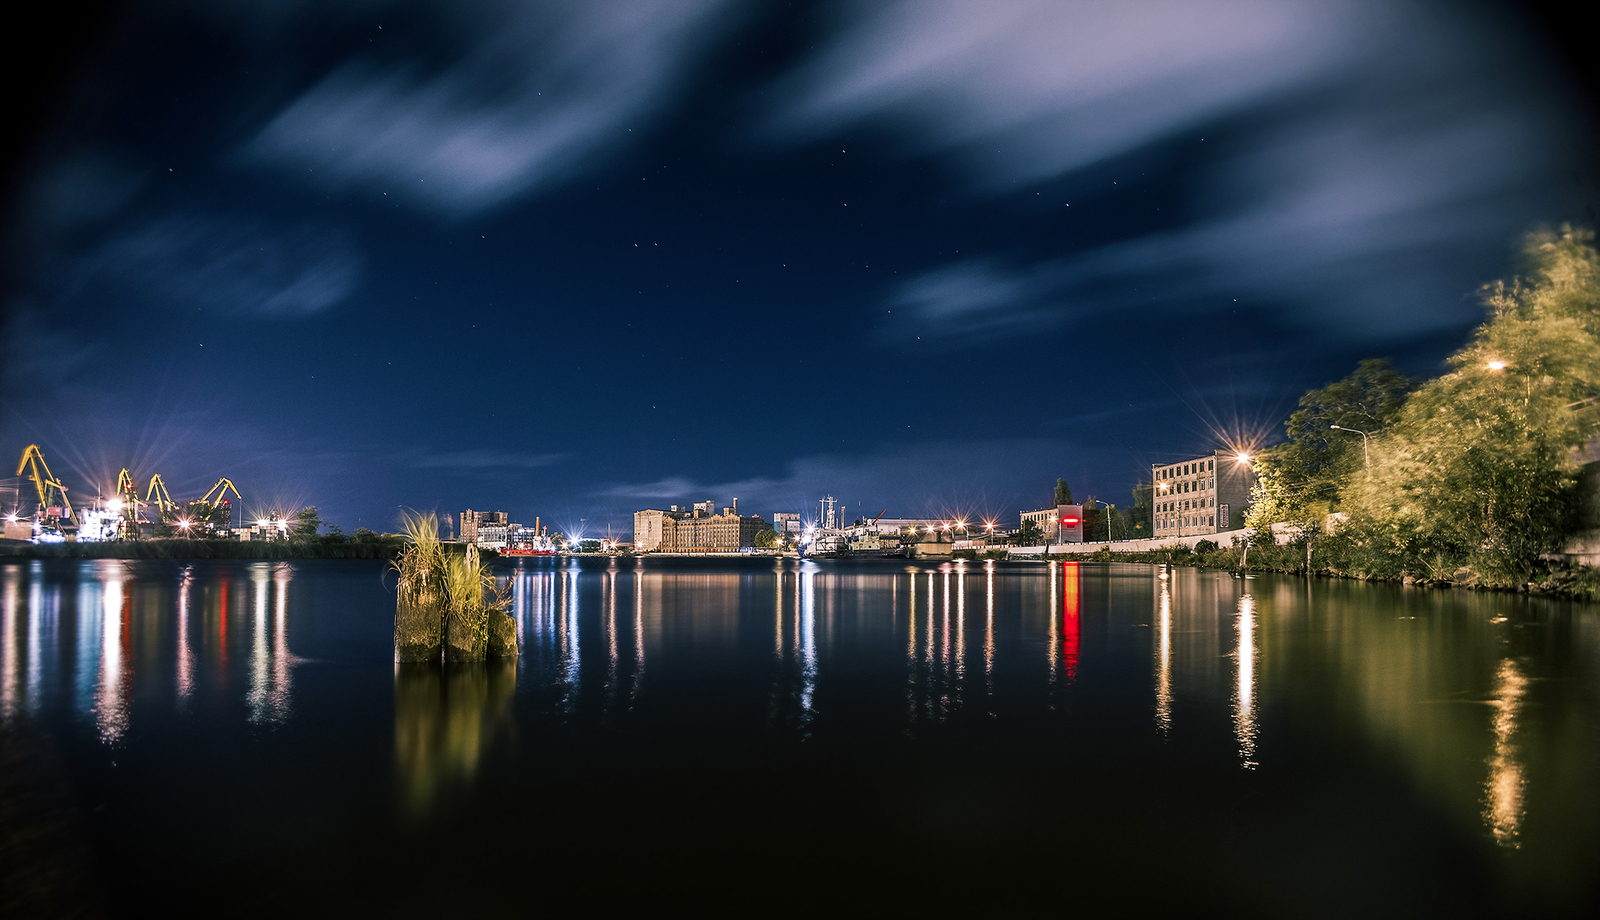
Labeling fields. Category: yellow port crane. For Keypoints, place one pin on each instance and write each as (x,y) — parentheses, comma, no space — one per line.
(157,494)
(205,508)
(128,495)
(44,481)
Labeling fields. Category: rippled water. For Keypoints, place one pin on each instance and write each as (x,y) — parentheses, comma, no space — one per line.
(761,738)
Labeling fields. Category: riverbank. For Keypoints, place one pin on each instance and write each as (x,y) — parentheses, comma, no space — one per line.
(1549,578)
(201,549)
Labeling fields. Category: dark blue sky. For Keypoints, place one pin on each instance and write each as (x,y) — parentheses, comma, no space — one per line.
(577,259)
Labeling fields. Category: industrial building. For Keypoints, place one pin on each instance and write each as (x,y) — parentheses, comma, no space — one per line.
(488,529)
(697,530)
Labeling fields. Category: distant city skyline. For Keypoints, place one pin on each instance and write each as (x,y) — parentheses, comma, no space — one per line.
(573,260)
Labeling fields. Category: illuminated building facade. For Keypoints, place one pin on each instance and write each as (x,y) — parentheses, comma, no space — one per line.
(488,529)
(1206,494)
(697,531)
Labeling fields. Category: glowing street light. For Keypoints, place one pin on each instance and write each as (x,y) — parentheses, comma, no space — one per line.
(1497,365)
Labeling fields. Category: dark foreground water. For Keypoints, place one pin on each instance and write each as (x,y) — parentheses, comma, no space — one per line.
(760,738)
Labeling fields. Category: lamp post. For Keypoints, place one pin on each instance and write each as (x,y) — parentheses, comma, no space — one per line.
(1366,458)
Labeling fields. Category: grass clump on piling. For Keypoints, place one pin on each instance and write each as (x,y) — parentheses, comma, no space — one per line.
(422,593)
(446,604)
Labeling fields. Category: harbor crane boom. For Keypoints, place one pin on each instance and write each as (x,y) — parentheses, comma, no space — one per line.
(220,491)
(165,506)
(43,480)
(207,506)
(128,493)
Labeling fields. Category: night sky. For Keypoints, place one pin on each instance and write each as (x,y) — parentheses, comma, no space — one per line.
(574,260)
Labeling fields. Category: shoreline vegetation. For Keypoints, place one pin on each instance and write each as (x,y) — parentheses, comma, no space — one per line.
(1482,477)
(1549,578)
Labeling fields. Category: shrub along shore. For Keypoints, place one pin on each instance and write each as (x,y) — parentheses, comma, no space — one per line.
(1548,577)
(318,548)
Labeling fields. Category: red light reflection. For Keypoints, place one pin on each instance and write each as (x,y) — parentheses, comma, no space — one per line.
(1070,629)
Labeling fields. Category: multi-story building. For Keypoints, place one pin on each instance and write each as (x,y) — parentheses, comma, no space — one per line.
(487,529)
(1045,520)
(1049,521)
(650,524)
(697,531)
(787,522)
(1206,494)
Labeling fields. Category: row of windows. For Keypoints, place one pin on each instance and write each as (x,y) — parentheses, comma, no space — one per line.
(1187,469)
(1205,520)
(1186,505)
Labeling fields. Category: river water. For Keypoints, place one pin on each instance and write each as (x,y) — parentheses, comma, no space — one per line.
(777,738)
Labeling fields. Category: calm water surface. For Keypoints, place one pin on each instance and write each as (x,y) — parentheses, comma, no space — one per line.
(233,738)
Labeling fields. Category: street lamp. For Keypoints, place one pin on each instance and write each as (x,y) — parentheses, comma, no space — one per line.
(1366,458)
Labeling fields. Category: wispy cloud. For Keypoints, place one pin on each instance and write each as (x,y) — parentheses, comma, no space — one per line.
(1058,84)
(542,88)
(1372,149)
(240,265)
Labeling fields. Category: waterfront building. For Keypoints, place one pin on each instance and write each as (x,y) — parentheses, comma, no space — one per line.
(488,529)
(1050,523)
(650,524)
(697,531)
(787,522)
(1205,494)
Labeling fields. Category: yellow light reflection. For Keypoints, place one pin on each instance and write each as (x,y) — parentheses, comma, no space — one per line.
(1503,792)
(444,722)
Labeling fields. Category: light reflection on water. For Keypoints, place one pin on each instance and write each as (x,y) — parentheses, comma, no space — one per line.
(1244,693)
(1505,785)
(109,646)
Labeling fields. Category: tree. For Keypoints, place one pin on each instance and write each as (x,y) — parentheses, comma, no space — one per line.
(306,522)
(1143,510)
(1063,492)
(1479,468)
(766,538)
(1029,534)
(1300,481)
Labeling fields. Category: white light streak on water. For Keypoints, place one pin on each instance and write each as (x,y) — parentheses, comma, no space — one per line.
(1244,702)
(282,660)
(610,588)
(43,611)
(1052,647)
(256,694)
(571,646)
(86,661)
(988,626)
(808,647)
(961,625)
(1503,793)
(185,652)
(638,635)
(111,703)
(9,676)
(1164,661)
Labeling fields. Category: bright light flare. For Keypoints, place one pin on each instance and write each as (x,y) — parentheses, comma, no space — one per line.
(1497,365)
